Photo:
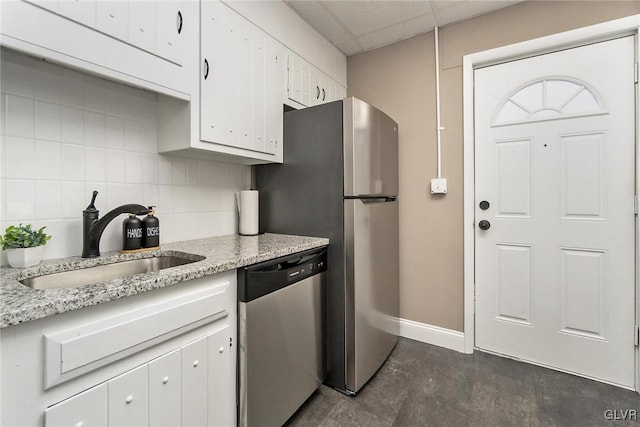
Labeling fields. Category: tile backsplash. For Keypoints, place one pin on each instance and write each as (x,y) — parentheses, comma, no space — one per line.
(64,134)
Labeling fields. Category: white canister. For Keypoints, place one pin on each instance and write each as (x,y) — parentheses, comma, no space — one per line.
(248,210)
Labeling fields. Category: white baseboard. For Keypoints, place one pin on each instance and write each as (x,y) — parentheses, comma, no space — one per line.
(442,337)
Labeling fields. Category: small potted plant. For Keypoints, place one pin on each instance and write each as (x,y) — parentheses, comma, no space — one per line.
(24,245)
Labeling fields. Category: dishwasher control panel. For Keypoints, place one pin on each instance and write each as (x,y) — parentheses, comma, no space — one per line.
(300,272)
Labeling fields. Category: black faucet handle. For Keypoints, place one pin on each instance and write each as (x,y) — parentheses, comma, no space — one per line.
(92,206)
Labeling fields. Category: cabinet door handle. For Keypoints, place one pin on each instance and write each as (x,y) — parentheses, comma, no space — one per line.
(323,94)
(179,22)
(317,92)
(206,68)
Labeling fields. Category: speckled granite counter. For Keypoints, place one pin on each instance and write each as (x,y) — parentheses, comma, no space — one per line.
(19,304)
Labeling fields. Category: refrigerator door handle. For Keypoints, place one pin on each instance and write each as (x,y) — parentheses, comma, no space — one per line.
(373,198)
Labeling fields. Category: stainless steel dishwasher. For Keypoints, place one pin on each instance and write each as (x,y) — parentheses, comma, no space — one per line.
(281,336)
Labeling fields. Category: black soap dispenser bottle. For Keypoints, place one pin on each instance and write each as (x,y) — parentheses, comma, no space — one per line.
(131,233)
(151,230)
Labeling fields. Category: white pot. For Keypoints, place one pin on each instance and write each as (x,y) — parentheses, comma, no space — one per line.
(24,257)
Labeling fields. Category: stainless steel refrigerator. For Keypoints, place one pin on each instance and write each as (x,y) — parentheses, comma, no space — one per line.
(339,180)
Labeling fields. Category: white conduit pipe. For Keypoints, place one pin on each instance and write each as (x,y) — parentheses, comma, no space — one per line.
(439,127)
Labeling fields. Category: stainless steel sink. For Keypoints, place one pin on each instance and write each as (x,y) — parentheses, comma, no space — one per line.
(103,273)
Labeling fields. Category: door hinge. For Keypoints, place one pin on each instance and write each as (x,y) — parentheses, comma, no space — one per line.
(636,336)
(635,204)
(230,341)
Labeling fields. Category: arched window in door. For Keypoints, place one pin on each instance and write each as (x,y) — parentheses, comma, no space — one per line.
(549,98)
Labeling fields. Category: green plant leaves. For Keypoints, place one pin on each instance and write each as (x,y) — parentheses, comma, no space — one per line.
(23,237)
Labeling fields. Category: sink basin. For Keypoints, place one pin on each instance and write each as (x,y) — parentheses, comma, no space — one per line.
(103,273)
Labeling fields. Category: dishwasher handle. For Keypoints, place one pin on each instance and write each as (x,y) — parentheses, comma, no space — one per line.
(261,279)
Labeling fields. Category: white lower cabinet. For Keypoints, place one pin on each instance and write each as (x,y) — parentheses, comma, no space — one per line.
(186,387)
(165,390)
(194,383)
(128,398)
(86,409)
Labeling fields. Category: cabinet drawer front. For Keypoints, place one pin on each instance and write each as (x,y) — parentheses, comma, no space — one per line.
(77,350)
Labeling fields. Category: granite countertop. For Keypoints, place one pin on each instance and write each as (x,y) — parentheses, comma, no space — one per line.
(20,304)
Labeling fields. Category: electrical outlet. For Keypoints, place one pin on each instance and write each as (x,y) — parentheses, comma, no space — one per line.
(439,186)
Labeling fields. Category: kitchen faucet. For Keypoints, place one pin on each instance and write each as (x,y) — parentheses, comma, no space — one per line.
(93,226)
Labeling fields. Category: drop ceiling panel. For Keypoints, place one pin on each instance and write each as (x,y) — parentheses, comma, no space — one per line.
(360,25)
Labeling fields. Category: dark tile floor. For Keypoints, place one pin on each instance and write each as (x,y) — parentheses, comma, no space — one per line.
(424,385)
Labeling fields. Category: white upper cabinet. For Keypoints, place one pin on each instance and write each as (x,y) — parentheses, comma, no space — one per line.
(241,84)
(149,44)
(308,86)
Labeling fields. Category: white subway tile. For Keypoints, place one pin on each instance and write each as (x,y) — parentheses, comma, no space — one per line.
(59,246)
(74,199)
(150,137)
(68,87)
(150,168)
(17,74)
(193,172)
(95,164)
(179,171)
(95,131)
(165,170)
(115,166)
(133,136)
(48,121)
(72,236)
(48,200)
(47,160)
(112,236)
(193,199)
(150,195)
(20,200)
(226,222)
(94,91)
(46,82)
(165,199)
(72,161)
(72,129)
(179,199)
(225,199)
(20,158)
(20,116)
(133,167)
(168,229)
(135,194)
(206,224)
(115,132)
(206,173)
(116,196)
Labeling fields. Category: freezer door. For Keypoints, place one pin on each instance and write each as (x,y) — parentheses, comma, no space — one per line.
(372,276)
(370,150)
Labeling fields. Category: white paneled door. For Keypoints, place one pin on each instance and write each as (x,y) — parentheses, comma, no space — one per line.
(554,153)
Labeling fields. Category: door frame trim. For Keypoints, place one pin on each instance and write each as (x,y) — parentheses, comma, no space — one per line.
(573,38)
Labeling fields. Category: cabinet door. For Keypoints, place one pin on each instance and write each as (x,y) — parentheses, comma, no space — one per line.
(222,375)
(274,72)
(129,399)
(315,86)
(86,409)
(218,100)
(52,5)
(243,58)
(260,83)
(295,77)
(82,11)
(194,383)
(112,17)
(333,94)
(142,24)
(170,30)
(305,70)
(165,386)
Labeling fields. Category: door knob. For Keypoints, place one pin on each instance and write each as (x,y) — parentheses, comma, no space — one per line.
(484,224)
(484,205)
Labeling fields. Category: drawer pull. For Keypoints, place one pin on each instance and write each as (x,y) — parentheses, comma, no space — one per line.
(195,363)
(129,399)
(165,380)
(221,350)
